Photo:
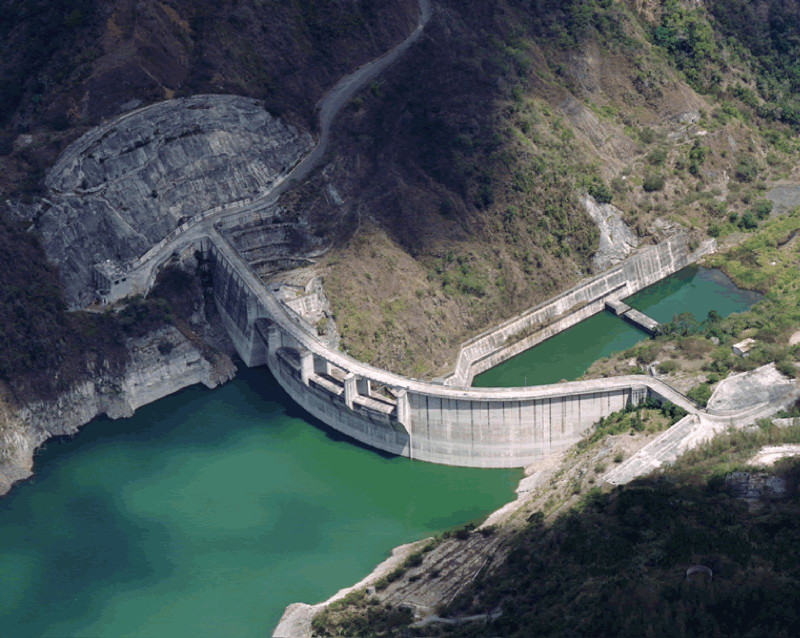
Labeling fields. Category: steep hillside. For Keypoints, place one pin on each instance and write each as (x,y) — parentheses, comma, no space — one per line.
(467,165)
(464,170)
(67,65)
(619,563)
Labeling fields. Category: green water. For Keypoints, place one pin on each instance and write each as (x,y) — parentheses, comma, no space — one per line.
(207,513)
(570,353)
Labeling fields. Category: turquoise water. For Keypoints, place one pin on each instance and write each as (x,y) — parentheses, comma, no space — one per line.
(207,513)
(570,353)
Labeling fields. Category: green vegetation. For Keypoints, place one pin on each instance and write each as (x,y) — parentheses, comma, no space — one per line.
(765,33)
(358,615)
(653,182)
(689,39)
(650,417)
(567,23)
(760,37)
(616,563)
(697,156)
(600,192)
(767,262)
(38,335)
(33,36)
(700,394)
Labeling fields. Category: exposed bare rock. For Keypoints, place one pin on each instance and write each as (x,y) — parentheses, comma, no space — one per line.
(771,454)
(785,197)
(617,240)
(606,138)
(123,186)
(161,363)
(748,389)
(756,486)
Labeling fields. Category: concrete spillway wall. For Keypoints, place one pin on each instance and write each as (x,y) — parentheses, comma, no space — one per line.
(572,306)
(477,427)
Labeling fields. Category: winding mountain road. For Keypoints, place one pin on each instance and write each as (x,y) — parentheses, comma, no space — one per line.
(140,273)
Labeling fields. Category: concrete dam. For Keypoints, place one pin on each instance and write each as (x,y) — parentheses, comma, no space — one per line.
(449,424)
(231,218)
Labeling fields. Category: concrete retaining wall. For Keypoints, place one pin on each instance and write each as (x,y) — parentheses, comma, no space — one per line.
(572,306)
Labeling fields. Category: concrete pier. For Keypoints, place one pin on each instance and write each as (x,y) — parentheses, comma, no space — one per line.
(617,307)
(637,318)
(589,297)
(641,320)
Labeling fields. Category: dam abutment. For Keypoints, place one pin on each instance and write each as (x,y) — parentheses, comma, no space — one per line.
(475,427)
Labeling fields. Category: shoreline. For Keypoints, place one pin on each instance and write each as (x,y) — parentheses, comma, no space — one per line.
(148,377)
(297,617)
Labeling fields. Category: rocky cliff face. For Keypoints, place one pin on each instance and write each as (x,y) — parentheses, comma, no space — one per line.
(616,240)
(160,364)
(121,187)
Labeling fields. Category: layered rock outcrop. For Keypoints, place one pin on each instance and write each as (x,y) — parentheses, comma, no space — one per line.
(123,186)
(161,363)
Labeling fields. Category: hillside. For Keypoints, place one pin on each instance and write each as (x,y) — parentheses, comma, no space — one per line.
(614,563)
(465,169)
(462,186)
(66,66)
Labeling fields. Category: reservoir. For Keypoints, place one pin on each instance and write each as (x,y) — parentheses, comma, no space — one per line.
(207,513)
(570,353)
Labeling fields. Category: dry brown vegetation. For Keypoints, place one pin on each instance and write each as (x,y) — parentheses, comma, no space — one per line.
(471,155)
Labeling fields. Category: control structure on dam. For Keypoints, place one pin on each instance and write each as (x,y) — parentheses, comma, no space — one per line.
(477,427)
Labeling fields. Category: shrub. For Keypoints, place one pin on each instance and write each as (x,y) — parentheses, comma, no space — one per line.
(165,347)
(647,135)
(668,366)
(748,221)
(700,394)
(653,182)
(747,169)
(695,347)
(787,367)
(697,155)
(763,208)
(463,533)
(600,192)
(415,560)
(657,157)
(619,184)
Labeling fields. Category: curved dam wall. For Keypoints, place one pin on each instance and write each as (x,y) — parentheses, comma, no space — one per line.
(546,320)
(476,427)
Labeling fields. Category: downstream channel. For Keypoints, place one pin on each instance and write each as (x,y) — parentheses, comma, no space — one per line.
(570,353)
(207,513)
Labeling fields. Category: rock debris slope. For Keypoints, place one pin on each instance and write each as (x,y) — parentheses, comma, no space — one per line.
(122,187)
